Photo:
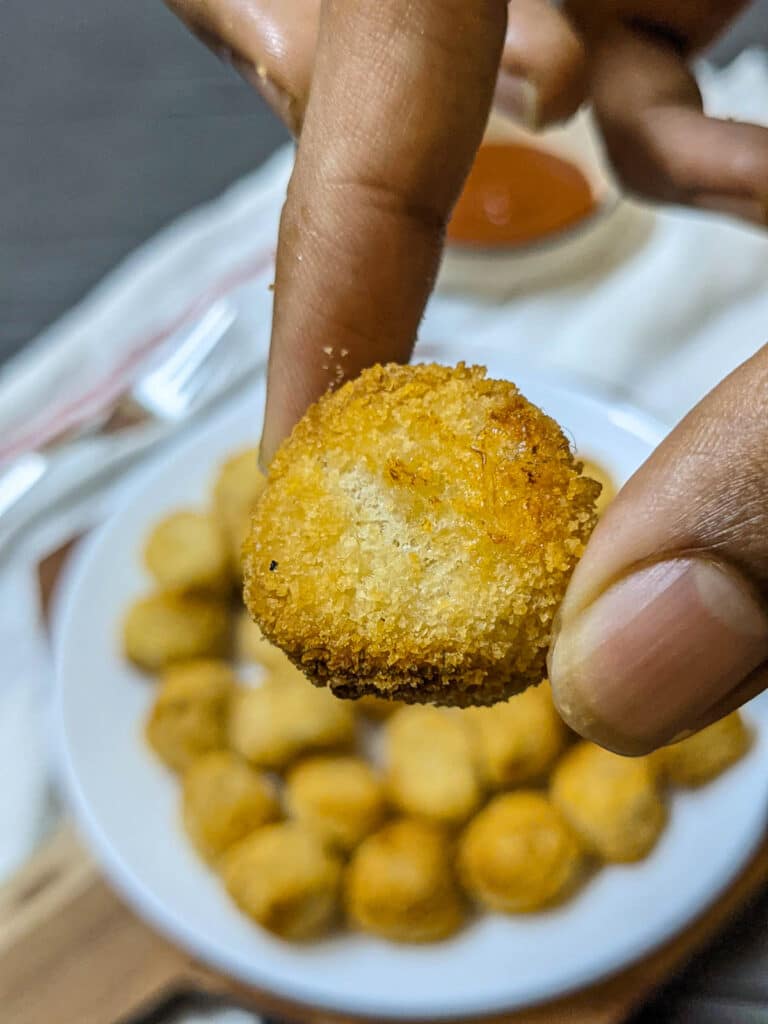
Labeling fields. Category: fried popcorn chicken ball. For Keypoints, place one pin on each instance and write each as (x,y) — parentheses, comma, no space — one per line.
(416,535)
(190,712)
(284,878)
(597,472)
(430,765)
(188,551)
(703,756)
(340,798)
(519,854)
(168,627)
(517,741)
(400,884)
(235,491)
(612,802)
(223,801)
(273,724)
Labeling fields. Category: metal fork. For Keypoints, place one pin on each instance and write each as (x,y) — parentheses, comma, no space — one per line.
(191,368)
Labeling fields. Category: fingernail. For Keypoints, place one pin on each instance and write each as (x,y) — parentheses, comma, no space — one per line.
(754,210)
(655,651)
(518,98)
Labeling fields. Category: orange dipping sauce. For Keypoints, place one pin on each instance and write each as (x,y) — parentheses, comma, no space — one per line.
(517,194)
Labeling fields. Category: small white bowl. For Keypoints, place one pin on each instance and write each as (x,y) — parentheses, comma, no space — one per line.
(605,236)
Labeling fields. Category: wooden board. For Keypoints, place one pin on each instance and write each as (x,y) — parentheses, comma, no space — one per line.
(71,951)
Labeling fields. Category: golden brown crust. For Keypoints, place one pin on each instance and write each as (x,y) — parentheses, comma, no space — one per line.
(223,801)
(519,855)
(518,741)
(416,535)
(164,628)
(401,885)
(285,879)
(431,769)
(189,715)
(703,756)
(341,799)
(611,802)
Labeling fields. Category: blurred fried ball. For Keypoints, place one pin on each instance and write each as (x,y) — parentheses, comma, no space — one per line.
(519,854)
(188,551)
(167,627)
(236,490)
(189,715)
(252,646)
(595,471)
(518,741)
(703,756)
(273,724)
(612,802)
(377,708)
(339,798)
(430,765)
(223,801)
(400,884)
(416,536)
(284,878)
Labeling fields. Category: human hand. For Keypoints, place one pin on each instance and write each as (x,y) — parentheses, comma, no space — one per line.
(399,99)
(664,627)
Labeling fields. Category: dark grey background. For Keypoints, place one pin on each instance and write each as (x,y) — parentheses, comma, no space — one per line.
(113,120)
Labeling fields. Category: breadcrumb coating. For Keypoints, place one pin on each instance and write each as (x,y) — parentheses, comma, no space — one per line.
(416,535)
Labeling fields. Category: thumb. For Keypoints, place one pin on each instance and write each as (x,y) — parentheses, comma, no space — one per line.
(665,623)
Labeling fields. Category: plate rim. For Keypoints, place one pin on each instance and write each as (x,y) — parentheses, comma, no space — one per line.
(142,898)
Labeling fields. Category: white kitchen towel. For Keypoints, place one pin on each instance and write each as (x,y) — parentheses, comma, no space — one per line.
(664,325)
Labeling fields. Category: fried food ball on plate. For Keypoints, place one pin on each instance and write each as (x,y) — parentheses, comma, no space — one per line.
(339,798)
(595,471)
(517,741)
(285,879)
(519,854)
(252,646)
(190,712)
(187,550)
(167,627)
(612,802)
(431,770)
(236,489)
(376,708)
(703,756)
(416,536)
(223,801)
(272,724)
(400,884)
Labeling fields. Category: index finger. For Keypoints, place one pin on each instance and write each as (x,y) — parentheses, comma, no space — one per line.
(398,105)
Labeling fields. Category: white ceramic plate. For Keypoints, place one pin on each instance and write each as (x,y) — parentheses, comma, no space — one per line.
(126,803)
